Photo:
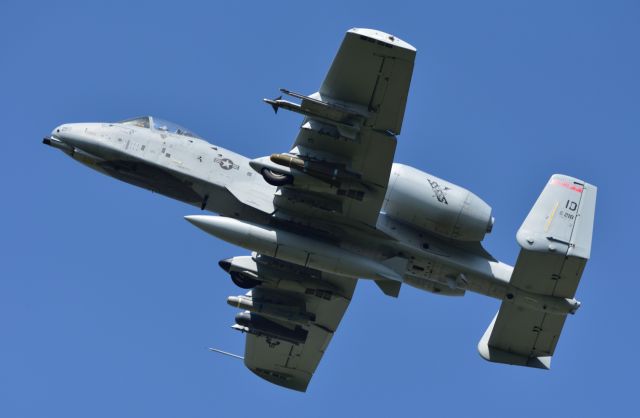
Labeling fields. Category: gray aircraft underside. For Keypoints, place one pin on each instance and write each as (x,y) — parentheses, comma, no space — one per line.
(335,208)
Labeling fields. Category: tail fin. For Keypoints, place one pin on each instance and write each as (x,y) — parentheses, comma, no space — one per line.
(556,244)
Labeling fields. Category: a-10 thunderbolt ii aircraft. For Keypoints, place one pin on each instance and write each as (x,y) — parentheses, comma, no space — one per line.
(336,208)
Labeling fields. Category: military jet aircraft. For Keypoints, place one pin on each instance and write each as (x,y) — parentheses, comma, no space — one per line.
(335,208)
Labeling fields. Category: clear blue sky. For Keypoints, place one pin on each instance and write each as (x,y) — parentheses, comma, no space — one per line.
(109,299)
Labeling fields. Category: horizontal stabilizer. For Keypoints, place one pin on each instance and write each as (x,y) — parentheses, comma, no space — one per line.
(556,244)
(521,337)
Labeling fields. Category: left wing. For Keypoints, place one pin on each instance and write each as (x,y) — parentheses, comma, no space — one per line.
(341,160)
(289,318)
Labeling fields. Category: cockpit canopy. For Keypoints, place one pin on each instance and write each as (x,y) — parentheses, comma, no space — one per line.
(158,124)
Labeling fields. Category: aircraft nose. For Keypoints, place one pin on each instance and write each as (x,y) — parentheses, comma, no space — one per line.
(65,131)
(56,139)
(78,135)
(58,129)
(71,137)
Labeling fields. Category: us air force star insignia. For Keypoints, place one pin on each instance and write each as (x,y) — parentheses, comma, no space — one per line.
(226,164)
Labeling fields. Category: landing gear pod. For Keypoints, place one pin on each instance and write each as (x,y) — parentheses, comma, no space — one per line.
(244,280)
(276,179)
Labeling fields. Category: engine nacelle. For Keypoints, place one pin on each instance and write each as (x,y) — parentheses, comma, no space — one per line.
(427,202)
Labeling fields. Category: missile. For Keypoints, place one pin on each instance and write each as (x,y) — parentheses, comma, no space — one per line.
(259,325)
(316,108)
(323,170)
(294,248)
(276,310)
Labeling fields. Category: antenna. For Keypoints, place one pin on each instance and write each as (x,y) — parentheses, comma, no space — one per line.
(215,350)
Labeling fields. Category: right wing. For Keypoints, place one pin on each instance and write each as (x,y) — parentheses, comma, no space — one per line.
(290,318)
(342,157)
(556,244)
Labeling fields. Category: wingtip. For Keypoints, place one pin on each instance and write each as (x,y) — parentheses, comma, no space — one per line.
(382,36)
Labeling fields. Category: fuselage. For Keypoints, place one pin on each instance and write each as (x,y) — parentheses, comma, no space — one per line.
(176,163)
